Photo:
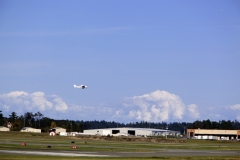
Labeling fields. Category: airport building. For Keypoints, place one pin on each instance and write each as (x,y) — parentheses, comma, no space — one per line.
(57,130)
(29,129)
(213,134)
(131,132)
(2,128)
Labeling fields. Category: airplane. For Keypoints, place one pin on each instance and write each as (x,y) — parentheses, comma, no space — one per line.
(81,86)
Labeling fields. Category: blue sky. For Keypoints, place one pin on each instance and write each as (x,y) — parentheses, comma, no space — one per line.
(142,60)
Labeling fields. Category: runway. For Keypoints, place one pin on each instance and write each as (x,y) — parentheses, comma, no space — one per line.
(161,153)
(51,153)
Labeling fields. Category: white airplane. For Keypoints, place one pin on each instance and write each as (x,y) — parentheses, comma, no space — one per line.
(81,86)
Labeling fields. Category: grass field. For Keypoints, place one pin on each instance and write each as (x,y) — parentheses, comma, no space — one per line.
(20,157)
(11,141)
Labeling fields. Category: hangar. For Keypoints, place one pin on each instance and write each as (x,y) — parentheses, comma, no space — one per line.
(57,130)
(2,128)
(30,129)
(131,132)
(213,134)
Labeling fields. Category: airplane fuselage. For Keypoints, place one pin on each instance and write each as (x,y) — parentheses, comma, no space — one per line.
(81,86)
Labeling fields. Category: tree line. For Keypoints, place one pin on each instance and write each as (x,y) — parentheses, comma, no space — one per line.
(38,120)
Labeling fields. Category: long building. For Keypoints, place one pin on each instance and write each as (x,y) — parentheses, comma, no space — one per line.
(213,134)
(131,132)
(30,129)
(57,130)
(2,128)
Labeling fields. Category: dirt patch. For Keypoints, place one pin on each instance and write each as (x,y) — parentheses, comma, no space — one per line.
(130,139)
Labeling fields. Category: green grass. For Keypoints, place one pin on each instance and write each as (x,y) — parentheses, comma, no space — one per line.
(40,141)
(25,157)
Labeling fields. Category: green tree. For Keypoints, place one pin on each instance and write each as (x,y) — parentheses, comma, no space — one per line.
(207,124)
(226,124)
(1,119)
(17,125)
(215,125)
(29,117)
(197,124)
(38,116)
(12,117)
(53,125)
(69,126)
(45,121)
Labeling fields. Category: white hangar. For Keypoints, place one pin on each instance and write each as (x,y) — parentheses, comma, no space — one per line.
(30,129)
(57,130)
(131,132)
(2,128)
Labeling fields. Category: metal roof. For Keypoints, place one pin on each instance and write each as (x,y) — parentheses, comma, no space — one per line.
(129,128)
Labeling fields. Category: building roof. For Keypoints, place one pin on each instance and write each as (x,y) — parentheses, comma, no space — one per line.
(2,127)
(57,128)
(24,128)
(146,129)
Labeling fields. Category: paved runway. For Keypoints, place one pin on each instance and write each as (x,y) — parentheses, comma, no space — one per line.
(128,154)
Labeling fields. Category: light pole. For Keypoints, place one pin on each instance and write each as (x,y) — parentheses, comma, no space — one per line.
(184,131)
(166,131)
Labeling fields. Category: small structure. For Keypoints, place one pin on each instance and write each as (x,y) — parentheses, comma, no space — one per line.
(30,129)
(73,133)
(57,130)
(9,125)
(63,134)
(2,128)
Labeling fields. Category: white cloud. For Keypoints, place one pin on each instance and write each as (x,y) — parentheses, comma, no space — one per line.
(6,107)
(193,111)
(156,106)
(238,118)
(16,94)
(38,100)
(21,102)
(59,104)
(234,107)
(216,113)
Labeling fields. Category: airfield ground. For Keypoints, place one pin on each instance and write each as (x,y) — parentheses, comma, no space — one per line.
(42,146)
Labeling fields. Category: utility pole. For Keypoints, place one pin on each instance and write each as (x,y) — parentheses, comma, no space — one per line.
(166,131)
(184,131)
(24,117)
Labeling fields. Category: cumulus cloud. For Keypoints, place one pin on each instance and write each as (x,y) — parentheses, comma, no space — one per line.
(235,108)
(21,102)
(38,100)
(59,104)
(193,111)
(155,106)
